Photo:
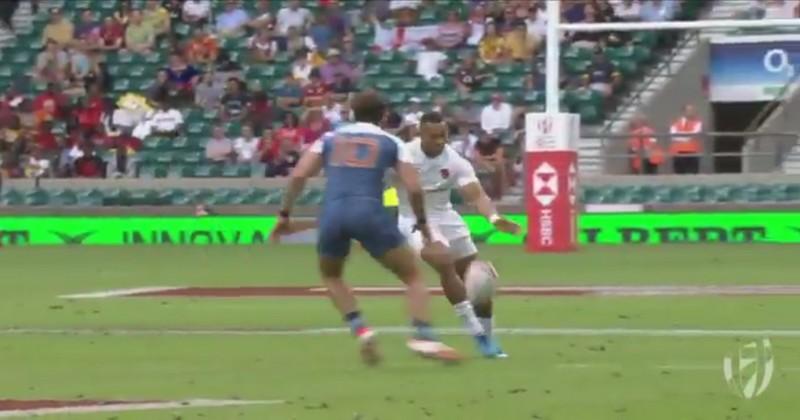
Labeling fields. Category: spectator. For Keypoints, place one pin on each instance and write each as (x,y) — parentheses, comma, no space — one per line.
(79,68)
(165,121)
(99,76)
(289,134)
(430,61)
(521,45)
(196,11)
(628,10)
(289,94)
(162,90)
(157,17)
(321,34)
(301,68)
(588,40)
(233,21)
(175,10)
(337,67)
(259,110)
(603,76)
(267,148)
(7,10)
(296,42)
(50,104)
(657,10)
(646,155)
(332,110)
(139,37)
(112,35)
(337,19)
(314,126)
(38,165)
(219,148)
(246,145)
(468,76)
(453,32)
(123,14)
(90,112)
(46,141)
(351,55)
(573,12)
(263,17)
(488,158)
(285,159)
(414,113)
(89,165)
(477,22)
(59,30)
(293,15)
(203,48)
(469,113)
(208,93)
(262,46)
(125,147)
(492,48)
(384,34)
(341,86)
(536,23)
(234,101)
(315,91)
(496,117)
(686,144)
(464,142)
(87,32)
(182,76)
(51,64)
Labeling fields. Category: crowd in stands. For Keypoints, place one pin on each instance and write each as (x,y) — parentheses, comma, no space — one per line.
(80,126)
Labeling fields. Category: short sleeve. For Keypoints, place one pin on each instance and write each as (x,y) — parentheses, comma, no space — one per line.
(316,147)
(465,174)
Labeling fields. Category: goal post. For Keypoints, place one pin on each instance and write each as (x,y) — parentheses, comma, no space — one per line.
(552,137)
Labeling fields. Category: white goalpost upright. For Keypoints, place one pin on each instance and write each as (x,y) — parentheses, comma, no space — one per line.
(551,137)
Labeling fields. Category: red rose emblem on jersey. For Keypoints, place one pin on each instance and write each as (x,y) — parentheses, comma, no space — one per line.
(445,173)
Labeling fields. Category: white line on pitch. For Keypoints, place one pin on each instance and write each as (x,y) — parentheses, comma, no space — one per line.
(588,332)
(120,292)
(195,403)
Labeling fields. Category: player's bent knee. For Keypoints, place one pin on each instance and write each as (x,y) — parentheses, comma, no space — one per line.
(437,255)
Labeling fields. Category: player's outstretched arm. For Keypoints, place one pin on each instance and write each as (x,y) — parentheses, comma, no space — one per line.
(474,194)
(309,165)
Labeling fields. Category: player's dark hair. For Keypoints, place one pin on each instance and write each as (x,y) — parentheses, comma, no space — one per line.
(432,117)
(368,107)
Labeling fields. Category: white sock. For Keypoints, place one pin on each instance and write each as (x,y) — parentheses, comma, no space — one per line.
(465,311)
(488,325)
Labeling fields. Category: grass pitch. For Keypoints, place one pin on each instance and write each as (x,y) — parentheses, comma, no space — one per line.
(572,357)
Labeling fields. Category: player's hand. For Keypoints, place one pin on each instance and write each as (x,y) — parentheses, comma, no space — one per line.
(507,226)
(283,227)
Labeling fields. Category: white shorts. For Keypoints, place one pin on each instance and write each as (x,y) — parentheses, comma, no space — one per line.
(449,229)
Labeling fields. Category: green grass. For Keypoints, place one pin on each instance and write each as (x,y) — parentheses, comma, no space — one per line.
(547,377)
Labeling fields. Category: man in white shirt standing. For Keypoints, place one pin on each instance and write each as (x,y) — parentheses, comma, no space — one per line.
(294,15)
(430,61)
(441,170)
(196,10)
(496,117)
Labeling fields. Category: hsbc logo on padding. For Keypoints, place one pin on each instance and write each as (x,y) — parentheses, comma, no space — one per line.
(545,184)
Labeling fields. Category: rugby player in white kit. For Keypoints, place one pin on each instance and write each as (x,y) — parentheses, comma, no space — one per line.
(441,169)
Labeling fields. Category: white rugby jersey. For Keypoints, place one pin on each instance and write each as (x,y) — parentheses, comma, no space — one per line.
(438,176)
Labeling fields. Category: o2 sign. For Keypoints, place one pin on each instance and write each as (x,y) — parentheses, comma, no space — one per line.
(777,60)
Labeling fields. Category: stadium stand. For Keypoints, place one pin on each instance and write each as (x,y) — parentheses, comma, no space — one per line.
(347,34)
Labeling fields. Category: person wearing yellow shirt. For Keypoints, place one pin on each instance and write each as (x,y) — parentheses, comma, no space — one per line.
(156,16)
(492,47)
(521,45)
(60,30)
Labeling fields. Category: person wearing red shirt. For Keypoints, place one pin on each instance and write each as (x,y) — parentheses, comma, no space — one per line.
(314,126)
(266,147)
(259,110)
(112,34)
(290,134)
(89,165)
(314,92)
(45,140)
(50,102)
(91,113)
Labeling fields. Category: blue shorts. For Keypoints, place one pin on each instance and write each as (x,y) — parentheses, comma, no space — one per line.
(362,219)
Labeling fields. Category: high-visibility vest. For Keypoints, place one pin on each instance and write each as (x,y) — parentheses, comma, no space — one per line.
(689,143)
(642,143)
(390,198)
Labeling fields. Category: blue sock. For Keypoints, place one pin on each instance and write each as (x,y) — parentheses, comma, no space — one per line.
(355,321)
(424,331)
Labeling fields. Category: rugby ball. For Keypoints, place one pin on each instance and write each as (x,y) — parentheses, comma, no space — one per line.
(480,281)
